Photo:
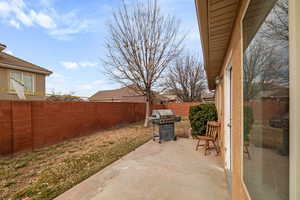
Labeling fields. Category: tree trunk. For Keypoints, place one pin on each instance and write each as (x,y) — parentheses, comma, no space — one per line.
(147,113)
(148,101)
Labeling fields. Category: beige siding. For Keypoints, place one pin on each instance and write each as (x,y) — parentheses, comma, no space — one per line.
(39,86)
(3,78)
(234,56)
(40,83)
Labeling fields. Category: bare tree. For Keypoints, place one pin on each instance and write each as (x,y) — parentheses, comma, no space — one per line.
(264,69)
(141,44)
(63,97)
(187,79)
(276,27)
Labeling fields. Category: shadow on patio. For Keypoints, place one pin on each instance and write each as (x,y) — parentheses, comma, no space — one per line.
(171,170)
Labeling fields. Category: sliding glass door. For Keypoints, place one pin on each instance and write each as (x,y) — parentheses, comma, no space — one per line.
(266,100)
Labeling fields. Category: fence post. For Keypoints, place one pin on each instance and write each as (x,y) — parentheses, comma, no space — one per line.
(12,129)
(31,126)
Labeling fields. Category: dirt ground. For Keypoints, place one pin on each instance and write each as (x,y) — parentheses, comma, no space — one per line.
(48,172)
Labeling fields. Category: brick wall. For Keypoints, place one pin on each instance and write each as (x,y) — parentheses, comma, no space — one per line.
(26,125)
(181,109)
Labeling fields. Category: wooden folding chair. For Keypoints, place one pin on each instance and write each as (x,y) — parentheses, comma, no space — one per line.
(211,135)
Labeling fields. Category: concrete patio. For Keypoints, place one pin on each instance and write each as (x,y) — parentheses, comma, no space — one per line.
(168,171)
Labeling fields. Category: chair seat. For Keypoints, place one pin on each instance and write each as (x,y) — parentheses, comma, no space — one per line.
(211,136)
(203,137)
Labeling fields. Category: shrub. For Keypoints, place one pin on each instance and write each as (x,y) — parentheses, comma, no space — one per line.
(200,115)
(248,121)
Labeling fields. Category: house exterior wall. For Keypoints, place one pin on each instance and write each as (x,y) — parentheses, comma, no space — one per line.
(221,110)
(39,86)
(234,56)
(3,78)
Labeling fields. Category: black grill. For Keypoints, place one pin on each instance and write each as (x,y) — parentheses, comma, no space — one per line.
(165,121)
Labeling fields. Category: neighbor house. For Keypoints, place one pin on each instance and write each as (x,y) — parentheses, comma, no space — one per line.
(124,94)
(246,44)
(208,97)
(32,76)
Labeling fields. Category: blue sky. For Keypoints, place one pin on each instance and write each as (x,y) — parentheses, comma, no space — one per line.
(66,36)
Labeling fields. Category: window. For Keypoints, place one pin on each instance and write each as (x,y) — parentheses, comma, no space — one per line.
(266,100)
(28,82)
(23,78)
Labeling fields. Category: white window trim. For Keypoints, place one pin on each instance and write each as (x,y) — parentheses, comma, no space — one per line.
(22,75)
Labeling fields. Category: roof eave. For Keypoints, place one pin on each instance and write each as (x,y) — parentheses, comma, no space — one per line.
(202,18)
(47,73)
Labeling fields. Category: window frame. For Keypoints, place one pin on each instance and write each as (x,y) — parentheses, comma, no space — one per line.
(11,90)
(292,185)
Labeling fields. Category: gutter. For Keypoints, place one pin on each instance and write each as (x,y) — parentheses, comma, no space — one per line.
(25,69)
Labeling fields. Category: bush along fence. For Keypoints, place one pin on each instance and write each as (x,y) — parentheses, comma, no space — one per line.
(199,116)
(27,125)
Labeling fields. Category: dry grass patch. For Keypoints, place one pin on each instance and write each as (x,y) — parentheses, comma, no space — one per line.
(183,128)
(48,172)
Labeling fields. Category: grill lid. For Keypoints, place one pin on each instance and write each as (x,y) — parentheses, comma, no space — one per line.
(162,113)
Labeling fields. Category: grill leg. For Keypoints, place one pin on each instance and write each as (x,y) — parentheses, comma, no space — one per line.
(153,131)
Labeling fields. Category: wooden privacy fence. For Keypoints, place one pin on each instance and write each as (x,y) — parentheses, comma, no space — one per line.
(267,110)
(181,108)
(27,125)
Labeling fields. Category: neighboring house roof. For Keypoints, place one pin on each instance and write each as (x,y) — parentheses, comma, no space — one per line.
(2,46)
(208,96)
(12,62)
(276,92)
(170,97)
(116,94)
(125,94)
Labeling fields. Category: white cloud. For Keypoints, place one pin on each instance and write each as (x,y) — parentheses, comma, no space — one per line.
(23,17)
(4,9)
(19,3)
(62,84)
(58,77)
(14,23)
(8,51)
(70,24)
(92,86)
(75,65)
(58,83)
(88,64)
(69,65)
(42,19)
(17,13)
(89,89)
(97,82)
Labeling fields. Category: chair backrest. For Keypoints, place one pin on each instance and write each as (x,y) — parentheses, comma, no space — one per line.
(212,129)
